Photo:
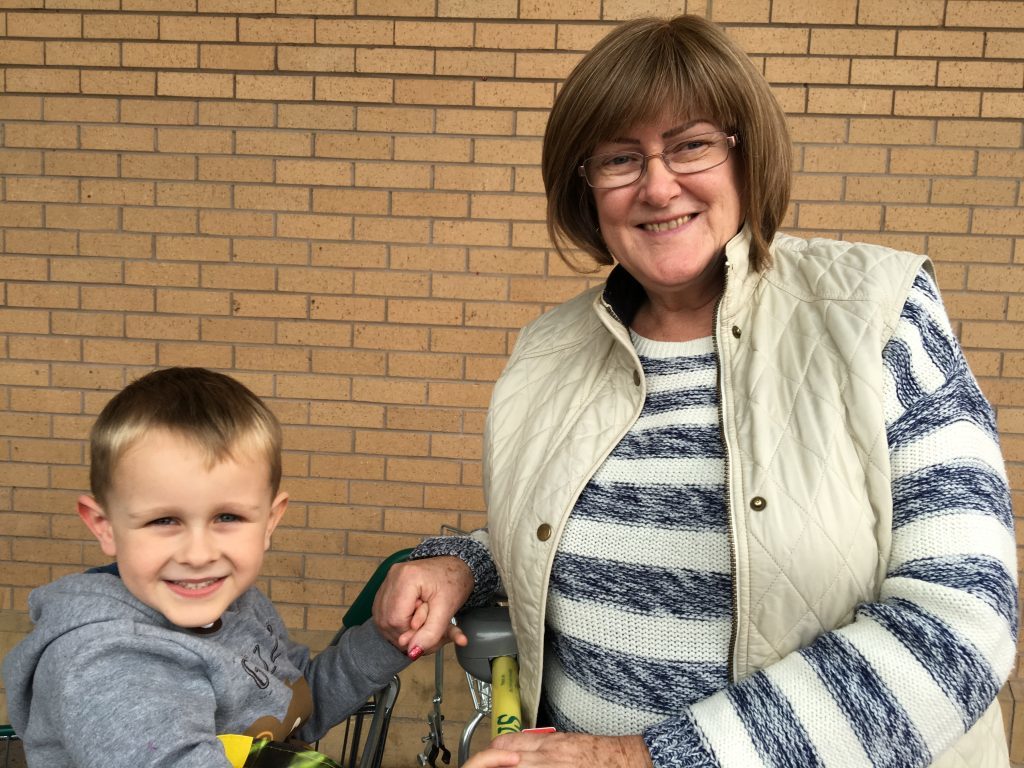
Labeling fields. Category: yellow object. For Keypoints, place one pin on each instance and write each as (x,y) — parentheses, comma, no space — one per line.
(506,710)
(236,747)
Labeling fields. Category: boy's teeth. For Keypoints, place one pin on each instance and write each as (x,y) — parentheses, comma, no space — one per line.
(195,584)
(665,225)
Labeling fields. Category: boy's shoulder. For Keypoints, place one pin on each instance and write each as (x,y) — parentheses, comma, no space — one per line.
(96,607)
(86,598)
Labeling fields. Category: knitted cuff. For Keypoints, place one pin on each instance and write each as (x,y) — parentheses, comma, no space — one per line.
(474,554)
(678,743)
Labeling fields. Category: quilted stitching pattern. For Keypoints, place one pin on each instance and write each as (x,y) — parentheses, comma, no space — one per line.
(806,363)
(550,428)
(984,746)
(568,395)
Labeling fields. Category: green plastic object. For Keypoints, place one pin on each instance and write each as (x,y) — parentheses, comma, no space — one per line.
(7,732)
(362,606)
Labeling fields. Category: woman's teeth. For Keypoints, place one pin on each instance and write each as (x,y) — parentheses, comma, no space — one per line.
(663,226)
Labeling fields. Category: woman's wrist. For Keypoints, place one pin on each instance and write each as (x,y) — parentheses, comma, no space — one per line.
(634,752)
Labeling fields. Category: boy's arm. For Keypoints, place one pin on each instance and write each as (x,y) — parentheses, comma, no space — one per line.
(116,702)
(343,676)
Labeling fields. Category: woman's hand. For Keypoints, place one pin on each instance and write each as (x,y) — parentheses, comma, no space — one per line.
(492,758)
(415,604)
(566,750)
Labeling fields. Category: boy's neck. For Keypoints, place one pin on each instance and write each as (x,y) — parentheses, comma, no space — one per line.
(207,629)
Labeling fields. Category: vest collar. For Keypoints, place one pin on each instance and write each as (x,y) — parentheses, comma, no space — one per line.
(624,296)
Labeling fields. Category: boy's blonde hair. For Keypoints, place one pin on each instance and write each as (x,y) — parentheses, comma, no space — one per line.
(217,413)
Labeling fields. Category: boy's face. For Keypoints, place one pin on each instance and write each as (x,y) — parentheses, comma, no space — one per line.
(189,539)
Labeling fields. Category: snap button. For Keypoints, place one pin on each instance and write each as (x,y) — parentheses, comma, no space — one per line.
(736,331)
(636,378)
(758,503)
(544,532)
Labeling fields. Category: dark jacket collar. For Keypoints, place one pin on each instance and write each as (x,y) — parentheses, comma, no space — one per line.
(623,294)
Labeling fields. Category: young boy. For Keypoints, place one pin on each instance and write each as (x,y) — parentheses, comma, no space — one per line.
(145,662)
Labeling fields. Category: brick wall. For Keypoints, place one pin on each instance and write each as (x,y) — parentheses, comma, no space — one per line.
(338,201)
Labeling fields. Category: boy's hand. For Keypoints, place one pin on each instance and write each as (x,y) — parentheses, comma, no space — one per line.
(414,606)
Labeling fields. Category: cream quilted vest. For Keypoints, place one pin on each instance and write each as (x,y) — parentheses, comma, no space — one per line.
(808,478)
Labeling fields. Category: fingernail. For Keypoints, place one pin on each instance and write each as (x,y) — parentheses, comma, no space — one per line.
(415,652)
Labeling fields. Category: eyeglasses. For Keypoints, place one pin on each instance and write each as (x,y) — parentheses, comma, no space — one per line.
(692,155)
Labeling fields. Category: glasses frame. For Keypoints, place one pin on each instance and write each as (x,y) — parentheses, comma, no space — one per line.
(732,140)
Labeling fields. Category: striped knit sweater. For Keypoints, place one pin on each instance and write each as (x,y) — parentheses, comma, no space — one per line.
(639,611)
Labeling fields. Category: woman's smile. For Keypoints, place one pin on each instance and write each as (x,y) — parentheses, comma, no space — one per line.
(665,226)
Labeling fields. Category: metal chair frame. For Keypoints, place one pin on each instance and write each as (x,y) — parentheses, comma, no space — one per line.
(7,735)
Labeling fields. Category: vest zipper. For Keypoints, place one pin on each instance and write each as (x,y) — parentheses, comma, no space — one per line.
(734,630)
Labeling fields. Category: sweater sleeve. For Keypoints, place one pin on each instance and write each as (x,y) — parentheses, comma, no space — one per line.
(343,676)
(165,722)
(914,670)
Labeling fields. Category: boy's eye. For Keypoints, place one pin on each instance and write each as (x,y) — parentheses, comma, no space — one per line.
(162,521)
(228,517)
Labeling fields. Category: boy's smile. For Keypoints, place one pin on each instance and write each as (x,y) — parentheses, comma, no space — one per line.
(189,537)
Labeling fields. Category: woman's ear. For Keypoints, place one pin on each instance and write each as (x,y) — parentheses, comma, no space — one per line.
(96,520)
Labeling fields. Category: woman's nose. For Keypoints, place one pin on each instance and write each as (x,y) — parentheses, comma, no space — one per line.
(659,185)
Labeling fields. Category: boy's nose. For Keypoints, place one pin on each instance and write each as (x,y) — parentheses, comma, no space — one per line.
(198,549)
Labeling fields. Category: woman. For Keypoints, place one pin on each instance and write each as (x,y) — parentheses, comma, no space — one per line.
(746,498)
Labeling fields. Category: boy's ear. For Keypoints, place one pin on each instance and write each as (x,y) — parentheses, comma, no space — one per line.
(96,520)
(276,513)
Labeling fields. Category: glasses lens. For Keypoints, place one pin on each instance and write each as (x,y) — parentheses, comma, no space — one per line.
(691,155)
(614,170)
(697,153)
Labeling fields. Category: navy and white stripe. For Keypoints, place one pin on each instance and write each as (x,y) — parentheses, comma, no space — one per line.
(639,611)
(894,688)
(640,599)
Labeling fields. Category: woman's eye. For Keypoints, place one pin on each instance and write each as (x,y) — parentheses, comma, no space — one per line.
(695,145)
(614,161)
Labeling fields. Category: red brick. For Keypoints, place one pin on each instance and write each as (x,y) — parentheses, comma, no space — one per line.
(120,26)
(170,55)
(967,13)
(275,30)
(191,84)
(119,82)
(44,24)
(29,52)
(82,53)
(192,28)
(236,113)
(914,13)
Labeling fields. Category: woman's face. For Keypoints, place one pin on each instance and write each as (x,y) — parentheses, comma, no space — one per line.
(667,229)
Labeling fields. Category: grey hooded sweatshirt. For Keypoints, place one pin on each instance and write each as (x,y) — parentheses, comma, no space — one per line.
(103,680)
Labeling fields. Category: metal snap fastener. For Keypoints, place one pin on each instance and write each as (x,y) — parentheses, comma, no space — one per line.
(636,378)
(736,332)
(758,503)
(544,532)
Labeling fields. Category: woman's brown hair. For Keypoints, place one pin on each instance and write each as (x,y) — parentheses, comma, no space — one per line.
(639,70)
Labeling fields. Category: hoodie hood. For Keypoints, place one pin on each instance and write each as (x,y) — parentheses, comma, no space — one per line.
(67,605)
